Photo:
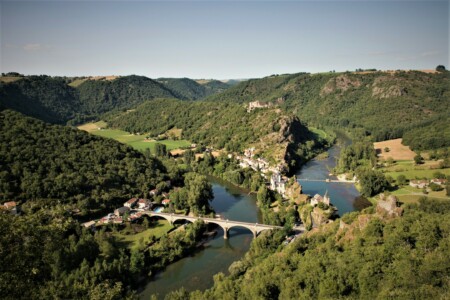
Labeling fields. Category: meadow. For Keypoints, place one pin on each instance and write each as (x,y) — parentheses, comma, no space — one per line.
(138,142)
(132,240)
(412,171)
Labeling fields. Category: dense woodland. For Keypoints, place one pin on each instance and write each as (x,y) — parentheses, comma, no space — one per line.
(42,162)
(374,257)
(76,100)
(48,256)
(188,89)
(61,177)
(382,105)
(226,126)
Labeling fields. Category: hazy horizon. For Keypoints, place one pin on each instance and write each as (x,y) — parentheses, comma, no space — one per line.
(221,39)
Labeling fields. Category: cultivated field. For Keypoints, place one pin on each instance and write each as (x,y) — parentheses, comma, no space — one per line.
(397,151)
(138,142)
(7,79)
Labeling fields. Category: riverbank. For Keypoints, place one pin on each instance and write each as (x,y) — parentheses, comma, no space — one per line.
(215,254)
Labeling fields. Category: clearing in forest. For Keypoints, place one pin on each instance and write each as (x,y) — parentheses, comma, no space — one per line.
(396,150)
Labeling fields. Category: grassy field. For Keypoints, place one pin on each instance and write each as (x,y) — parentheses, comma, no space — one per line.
(77,82)
(138,142)
(412,171)
(396,151)
(131,240)
(7,79)
(408,194)
(319,132)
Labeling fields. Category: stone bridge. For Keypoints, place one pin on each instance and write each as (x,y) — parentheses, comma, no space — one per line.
(226,225)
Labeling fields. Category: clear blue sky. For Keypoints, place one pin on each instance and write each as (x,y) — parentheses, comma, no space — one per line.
(221,39)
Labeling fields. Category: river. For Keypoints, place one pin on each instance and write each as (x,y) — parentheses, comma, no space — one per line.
(343,195)
(196,271)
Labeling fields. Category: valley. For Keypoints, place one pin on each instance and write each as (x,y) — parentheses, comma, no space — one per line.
(259,151)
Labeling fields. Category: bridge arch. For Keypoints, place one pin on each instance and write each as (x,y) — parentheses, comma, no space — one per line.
(167,218)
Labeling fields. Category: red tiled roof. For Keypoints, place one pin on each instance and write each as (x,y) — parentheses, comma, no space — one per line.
(10,204)
(132,200)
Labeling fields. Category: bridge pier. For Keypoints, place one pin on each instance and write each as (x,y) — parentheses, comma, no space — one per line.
(225,233)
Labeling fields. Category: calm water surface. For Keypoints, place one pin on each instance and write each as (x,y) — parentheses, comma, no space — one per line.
(342,195)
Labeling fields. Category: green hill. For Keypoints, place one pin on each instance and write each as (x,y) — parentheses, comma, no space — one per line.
(188,89)
(224,125)
(100,96)
(45,163)
(62,99)
(46,98)
(383,105)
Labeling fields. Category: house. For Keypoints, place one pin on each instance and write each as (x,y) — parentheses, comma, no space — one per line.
(165,201)
(11,206)
(420,184)
(118,221)
(130,203)
(439,181)
(135,216)
(278,183)
(143,203)
(319,199)
(121,211)
(90,224)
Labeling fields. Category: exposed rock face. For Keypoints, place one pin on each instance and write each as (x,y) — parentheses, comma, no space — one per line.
(388,87)
(258,104)
(389,92)
(387,206)
(294,193)
(342,83)
(319,217)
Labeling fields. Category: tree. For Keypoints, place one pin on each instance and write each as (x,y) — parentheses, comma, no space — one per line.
(440,68)
(263,196)
(372,182)
(160,150)
(189,156)
(199,192)
(136,261)
(418,159)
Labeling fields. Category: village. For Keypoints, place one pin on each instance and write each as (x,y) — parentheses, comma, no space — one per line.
(132,210)
(278,182)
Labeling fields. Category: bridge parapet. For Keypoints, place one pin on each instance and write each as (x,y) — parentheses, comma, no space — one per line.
(226,225)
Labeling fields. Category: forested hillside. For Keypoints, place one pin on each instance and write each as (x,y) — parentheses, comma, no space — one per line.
(381,104)
(224,125)
(367,256)
(48,164)
(188,89)
(76,100)
(46,98)
(100,96)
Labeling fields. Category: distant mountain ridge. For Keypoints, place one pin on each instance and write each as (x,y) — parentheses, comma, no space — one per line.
(78,99)
(188,89)
(385,105)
